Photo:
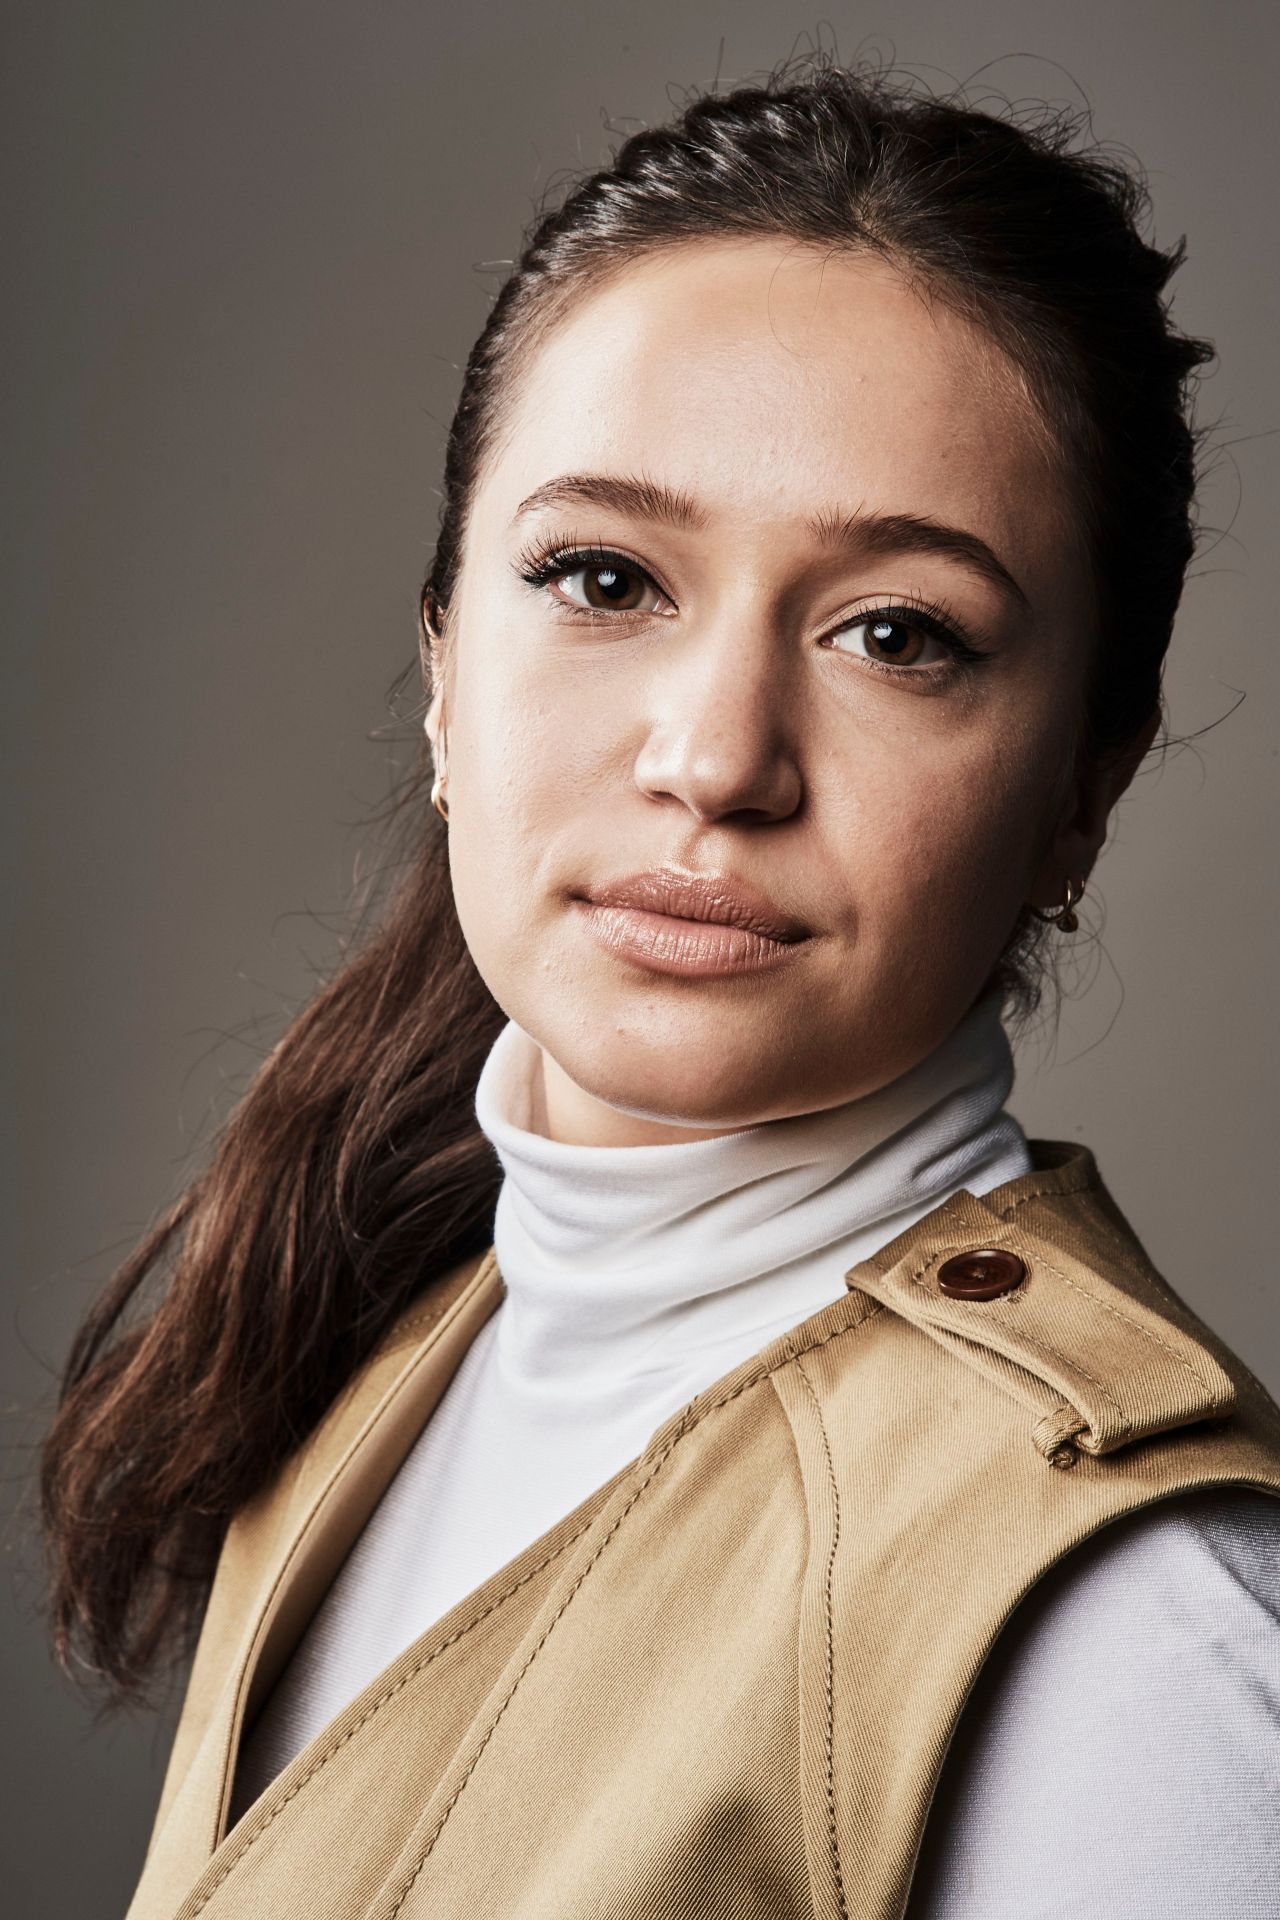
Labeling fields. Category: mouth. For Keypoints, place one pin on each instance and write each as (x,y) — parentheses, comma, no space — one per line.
(670,920)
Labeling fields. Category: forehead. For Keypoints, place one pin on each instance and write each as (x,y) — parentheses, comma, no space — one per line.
(773,379)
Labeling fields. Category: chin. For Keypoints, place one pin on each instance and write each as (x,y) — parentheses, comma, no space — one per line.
(678,1085)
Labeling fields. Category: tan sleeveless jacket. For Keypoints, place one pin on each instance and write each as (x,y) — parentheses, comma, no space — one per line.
(726,1683)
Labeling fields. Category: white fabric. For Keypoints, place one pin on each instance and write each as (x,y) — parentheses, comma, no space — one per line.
(1119,1758)
(634,1278)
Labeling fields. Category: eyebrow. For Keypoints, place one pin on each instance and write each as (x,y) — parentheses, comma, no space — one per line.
(870,534)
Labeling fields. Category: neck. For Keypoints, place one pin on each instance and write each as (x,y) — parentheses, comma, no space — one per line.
(775,1213)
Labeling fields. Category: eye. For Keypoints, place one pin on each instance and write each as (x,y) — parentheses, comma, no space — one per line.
(609,585)
(596,580)
(591,580)
(891,639)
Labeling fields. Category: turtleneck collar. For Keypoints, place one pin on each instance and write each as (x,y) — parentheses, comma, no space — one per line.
(623,1251)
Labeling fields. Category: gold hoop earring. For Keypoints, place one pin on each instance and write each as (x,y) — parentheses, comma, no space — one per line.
(437,796)
(1065,916)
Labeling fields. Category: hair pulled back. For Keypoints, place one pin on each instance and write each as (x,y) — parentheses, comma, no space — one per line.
(352,1171)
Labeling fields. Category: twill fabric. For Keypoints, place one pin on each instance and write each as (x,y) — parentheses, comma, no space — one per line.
(726,1682)
(633,1277)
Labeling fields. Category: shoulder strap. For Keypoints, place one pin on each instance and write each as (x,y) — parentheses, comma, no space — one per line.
(1089,1335)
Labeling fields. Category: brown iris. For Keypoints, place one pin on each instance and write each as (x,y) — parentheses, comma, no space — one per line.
(611,583)
(897,643)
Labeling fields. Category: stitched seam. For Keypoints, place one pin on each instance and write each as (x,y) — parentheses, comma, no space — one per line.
(427,1316)
(681,1433)
(475,1759)
(1080,1184)
(420,1319)
(331,1481)
(403,1327)
(406,1333)
(828,1678)
(1216,1399)
(382,1700)
(1040,1346)
(1129,1321)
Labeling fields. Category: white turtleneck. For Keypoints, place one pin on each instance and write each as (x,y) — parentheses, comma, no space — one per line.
(635,1277)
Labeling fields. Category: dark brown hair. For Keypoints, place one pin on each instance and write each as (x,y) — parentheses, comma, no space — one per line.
(352,1172)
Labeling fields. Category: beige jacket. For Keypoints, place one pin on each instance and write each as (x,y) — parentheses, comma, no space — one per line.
(725,1684)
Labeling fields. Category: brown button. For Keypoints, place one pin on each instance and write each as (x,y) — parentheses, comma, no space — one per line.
(981,1276)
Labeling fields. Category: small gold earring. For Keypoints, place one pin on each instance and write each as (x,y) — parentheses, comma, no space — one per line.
(1065,916)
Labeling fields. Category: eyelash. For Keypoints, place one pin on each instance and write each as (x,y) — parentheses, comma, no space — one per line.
(546,560)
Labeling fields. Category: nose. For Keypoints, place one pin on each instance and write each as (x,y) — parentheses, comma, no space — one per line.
(721,735)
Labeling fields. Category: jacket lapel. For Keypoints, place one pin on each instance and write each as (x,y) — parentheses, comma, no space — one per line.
(281,1553)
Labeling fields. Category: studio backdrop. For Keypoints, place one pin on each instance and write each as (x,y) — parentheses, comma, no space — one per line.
(247,249)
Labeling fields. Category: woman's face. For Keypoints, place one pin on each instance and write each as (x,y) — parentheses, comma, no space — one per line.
(805,444)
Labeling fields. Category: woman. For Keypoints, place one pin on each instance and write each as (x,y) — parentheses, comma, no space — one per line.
(624,1369)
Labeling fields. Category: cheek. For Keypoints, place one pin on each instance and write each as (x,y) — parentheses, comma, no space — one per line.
(551,760)
(506,736)
(526,772)
(943,841)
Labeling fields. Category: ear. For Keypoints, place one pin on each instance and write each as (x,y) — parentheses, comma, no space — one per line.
(431,719)
(1079,838)
(432,659)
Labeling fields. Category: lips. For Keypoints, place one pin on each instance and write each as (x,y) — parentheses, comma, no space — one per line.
(718,897)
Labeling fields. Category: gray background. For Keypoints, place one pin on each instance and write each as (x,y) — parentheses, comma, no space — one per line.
(243,254)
